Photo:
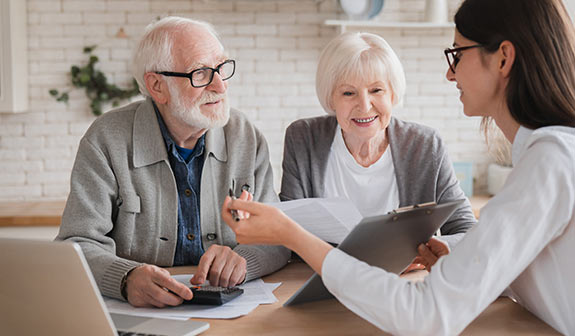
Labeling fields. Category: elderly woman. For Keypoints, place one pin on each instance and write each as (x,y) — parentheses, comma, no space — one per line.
(359,151)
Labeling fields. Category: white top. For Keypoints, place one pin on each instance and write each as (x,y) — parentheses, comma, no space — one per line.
(373,190)
(525,239)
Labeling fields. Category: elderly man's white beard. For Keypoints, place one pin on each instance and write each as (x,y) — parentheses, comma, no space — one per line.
(193,116)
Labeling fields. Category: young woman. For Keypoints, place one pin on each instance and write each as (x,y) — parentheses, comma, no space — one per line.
(513,62)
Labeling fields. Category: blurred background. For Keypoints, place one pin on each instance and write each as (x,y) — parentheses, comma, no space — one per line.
(276,44)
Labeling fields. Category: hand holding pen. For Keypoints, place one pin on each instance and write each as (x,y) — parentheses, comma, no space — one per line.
(245,196)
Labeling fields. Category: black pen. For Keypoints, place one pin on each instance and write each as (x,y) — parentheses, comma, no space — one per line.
(234,212)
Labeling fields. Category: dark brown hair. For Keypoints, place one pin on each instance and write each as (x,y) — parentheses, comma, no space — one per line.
(541,88)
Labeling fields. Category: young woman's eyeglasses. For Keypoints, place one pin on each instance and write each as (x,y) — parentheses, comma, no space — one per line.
(453,55)
(203,76)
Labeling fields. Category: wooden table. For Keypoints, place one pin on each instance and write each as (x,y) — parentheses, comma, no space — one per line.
(329,317)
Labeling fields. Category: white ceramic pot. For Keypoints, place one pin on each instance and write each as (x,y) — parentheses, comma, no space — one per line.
(436,11)
(496,177)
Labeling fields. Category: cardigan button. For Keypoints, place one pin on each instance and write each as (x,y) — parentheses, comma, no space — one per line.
(188,192)
(191,237)
(211,236)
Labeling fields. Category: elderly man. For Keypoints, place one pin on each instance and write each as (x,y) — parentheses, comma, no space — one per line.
(150,178)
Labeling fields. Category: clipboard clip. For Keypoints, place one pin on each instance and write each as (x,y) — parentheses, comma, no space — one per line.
(411,207)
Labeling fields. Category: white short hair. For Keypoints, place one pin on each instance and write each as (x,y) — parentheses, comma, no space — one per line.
(154,50)
(358,55)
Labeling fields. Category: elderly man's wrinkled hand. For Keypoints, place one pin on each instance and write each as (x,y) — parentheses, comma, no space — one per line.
(221,266)
(152,286)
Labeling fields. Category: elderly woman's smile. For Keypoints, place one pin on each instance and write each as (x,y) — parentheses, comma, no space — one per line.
(365,121)
(363,109)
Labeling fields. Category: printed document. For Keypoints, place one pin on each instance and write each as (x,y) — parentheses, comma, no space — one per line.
(331,219)
(256,292)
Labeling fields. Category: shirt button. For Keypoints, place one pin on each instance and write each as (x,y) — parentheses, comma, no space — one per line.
(211,236)
(188,192)
(191,236)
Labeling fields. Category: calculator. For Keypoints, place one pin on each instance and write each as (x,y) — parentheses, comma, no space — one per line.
(212,295)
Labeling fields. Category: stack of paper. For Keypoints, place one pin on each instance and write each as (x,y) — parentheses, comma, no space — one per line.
(256,292)
(331,219)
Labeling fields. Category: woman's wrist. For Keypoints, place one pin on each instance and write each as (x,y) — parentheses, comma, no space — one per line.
(309,247)
(292,235)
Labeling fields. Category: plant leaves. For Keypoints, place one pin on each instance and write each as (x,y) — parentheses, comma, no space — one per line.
(95,85)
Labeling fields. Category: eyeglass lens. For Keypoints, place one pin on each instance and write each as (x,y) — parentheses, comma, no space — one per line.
(452,59)
(204,76)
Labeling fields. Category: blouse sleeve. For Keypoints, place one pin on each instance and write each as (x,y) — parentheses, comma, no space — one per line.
(534,208)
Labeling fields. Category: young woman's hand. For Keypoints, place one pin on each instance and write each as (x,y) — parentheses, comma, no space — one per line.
(245,196)
(259,224)
(430,252)
(264,224)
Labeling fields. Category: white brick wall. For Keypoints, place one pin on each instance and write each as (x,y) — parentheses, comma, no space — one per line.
(276,44)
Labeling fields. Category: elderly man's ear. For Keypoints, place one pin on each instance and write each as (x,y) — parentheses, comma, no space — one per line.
(157,87)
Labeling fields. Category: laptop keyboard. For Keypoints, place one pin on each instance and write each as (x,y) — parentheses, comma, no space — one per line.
(129,333)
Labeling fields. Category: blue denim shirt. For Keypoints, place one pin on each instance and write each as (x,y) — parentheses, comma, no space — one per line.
(187,168)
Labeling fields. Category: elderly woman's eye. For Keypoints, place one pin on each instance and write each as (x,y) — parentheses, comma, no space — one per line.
(347,93)
(377,90)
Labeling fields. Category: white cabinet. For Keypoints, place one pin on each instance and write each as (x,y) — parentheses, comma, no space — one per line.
(13,56)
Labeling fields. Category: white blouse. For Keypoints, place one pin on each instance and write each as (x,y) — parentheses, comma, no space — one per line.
(373,190)
(525,239)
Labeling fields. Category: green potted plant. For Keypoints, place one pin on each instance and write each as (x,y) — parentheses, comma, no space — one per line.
(95,83)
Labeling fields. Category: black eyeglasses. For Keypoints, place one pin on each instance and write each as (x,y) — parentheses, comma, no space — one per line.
(203,76)
(453,55)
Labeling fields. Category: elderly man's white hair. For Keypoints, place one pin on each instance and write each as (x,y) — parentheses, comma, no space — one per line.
(358,56)
(154,51)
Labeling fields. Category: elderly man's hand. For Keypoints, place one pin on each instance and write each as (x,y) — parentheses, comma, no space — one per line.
(222,266)
(148,285)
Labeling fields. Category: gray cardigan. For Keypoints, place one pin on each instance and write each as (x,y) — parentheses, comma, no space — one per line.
(423,170)
(123,205)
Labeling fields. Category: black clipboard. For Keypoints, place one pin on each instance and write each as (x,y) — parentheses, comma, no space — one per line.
(387,241)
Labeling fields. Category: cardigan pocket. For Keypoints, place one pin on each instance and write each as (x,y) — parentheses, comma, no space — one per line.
(125,226)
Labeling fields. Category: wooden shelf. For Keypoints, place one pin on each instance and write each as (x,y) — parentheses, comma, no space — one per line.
(19,214)
(31,213)
(343,24)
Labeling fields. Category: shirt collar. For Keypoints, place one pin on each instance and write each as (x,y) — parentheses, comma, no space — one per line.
(519,143)
(165,133)
(171,146)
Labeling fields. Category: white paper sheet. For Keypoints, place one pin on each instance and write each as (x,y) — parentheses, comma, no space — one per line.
(331,219)
(256,292)
(182,312)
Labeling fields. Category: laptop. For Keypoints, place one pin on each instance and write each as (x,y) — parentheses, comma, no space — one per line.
(46,288)
(387,241)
